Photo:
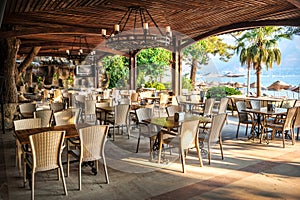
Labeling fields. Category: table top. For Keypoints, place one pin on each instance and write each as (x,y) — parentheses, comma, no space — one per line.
(169,122)
(192,102)
(270,99)
(264,111)
(71,131)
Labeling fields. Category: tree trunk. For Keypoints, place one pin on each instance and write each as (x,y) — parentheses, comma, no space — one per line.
(193,72)
(11,46)
(248,79)
(26,63)
(258,73)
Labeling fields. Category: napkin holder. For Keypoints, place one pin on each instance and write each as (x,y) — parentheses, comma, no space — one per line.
(179,116)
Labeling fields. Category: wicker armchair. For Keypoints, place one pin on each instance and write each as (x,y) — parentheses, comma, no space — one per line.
(142,114)
(297,122)
(214,135)
(171,110)
(120,118)
(92,144)
(188,138)
(284,127)
(57,106)
(46,150)
(90,109)
(100,115)
(27,110)
(45,116)
(68,116)
(207,110)
(244,117)
(21,125)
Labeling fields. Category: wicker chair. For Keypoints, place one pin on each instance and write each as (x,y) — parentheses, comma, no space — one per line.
(27,110)
(57,106)
(207,110)
(134,98)
(188,138)
(21,125)
(120,118)
(45,116)
(244,117)
(297,122)
(163,103)
(284,128)
(171,110)
(46,150)
(90,109)
(142,114)
(68,116)
(214,134)
(100,115)
(92,144)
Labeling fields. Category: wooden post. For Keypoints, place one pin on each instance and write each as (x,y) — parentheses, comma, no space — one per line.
(132,69)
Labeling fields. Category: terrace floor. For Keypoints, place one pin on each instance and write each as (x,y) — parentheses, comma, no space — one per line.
(250,170)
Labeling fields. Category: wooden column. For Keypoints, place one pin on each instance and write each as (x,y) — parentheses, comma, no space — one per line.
(176,67)
(132,69)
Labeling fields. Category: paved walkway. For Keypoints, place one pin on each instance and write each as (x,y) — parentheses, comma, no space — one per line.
(250,170)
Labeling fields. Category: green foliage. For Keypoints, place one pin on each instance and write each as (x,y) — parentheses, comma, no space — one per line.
(152,63)
(219,92)
(117,69)
(156,85)
(186,83)
(39,80)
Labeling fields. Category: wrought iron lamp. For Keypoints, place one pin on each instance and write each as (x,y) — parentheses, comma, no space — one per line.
(137,38)
(79,54)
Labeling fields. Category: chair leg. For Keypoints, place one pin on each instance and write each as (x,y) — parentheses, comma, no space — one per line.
(221,148)
(237,131)
(24,170)
(246,130)
(182,157)
(105,169)
(113,132)
(32,184)
(283,139)
(199,154)
(138,143)
(79,176)
(298,133)
(63,179)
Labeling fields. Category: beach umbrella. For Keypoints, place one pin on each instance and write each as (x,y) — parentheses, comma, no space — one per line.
(278,85)
(239,85)
(233,75)
(254,85)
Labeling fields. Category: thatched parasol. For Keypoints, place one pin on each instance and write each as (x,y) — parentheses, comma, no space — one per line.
(279,85)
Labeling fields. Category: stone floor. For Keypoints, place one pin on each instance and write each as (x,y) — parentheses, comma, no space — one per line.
(250,170)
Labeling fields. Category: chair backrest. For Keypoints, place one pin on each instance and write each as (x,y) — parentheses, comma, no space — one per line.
(68,116)
(288,103)
(124,100)
(171,110)
(297,103)
(208,106)
(240,106)
(195,98)
(217,124)
(27,108)
(297,118)
(255,104)
(134,97)
(80,98)
(90,108)
(57,106)
(291,112)
(180,99)
(164,99)
(223,105)
(144,113)
(27,123)
(45,116)
(189,134)
(121,114)
(46,149)
(92,142)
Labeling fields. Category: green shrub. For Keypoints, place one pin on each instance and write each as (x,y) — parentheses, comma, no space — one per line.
(156,85)
(219,92)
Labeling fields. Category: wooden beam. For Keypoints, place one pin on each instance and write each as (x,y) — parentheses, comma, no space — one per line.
(243,26)
(294,2)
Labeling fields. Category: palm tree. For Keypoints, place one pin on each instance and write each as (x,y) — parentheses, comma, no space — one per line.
(260,47)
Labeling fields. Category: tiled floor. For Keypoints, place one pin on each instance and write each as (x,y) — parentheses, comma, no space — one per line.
(249,171)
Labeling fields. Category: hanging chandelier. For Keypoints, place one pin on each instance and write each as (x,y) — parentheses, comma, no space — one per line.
(80,49)
(140,36)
